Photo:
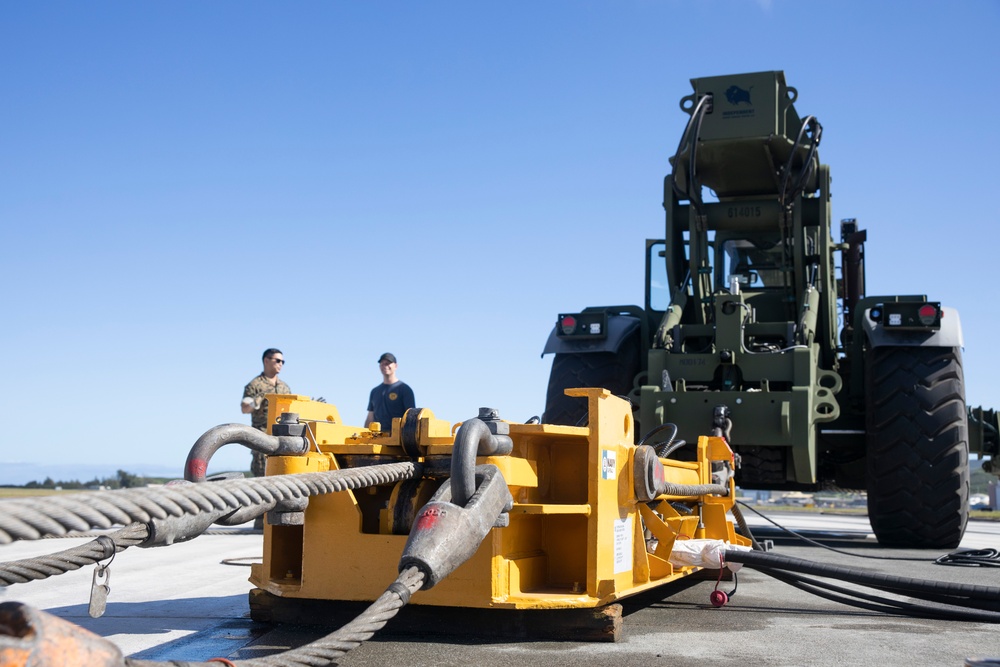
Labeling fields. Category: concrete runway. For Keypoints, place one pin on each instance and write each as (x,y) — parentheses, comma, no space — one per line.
(189,602)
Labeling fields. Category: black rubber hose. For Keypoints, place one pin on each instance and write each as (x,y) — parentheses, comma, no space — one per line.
(662,446)
(991,606)
(886,582)
(744,528)
(971,558)
(877,603)
(694,188)
(671,489)
(827,546)
(691,132)
(807,169)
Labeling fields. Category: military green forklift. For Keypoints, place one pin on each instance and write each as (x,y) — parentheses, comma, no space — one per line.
(751,330)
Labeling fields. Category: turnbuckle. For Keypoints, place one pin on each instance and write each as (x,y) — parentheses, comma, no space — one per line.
(445,535)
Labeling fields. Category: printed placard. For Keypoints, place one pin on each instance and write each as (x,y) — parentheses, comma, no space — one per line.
(623,545)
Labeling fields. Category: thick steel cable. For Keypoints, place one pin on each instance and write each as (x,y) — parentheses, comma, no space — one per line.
(327,650)
(43,567)
(33,518)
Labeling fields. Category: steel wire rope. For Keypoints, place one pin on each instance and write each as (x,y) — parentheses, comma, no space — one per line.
(326,650)
(60,562)
(33,518)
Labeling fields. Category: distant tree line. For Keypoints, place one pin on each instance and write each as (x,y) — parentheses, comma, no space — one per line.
(121,480)
(979,481)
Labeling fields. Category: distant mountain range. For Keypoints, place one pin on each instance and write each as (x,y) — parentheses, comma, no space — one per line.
(18,474)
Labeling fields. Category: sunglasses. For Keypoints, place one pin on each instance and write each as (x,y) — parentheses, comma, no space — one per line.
(277,361)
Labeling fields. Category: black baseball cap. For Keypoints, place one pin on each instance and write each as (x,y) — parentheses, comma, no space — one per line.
(388,356)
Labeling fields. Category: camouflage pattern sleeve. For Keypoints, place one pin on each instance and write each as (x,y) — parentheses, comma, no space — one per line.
(248,391)
(256,389)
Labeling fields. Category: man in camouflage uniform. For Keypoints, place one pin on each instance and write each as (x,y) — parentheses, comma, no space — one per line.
(254,402)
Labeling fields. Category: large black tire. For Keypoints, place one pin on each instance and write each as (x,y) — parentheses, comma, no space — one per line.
(761,467)
(918,447)
(612,371)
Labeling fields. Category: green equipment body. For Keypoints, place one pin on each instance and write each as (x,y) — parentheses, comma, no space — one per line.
(752,327)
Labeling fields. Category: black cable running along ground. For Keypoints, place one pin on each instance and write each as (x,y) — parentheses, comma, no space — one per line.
(877,603)
(886,582)
(960,601)
(826,546)
(971,558)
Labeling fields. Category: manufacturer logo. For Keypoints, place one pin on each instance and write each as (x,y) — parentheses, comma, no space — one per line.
(737,95)
(608,467)
(393,396)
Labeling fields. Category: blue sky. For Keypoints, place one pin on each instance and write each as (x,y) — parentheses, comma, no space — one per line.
(185,184)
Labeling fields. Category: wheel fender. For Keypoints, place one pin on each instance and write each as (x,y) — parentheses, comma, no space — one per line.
(949,335)
(620,327)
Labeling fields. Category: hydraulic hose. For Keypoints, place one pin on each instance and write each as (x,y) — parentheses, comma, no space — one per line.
(809,124)
(225,434)
(649,482)
(961,602)
(827,546)
(665,448)
(971,558)
(881,604)
(671,489)
(886,582)
(690,134)
(744,528)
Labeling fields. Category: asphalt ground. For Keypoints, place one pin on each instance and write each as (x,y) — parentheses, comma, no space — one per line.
(189,602)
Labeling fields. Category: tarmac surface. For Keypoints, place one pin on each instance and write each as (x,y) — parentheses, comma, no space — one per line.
(189,602)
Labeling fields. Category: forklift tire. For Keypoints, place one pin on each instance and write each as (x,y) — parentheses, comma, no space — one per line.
(612,371)
(918,447)
(761,467)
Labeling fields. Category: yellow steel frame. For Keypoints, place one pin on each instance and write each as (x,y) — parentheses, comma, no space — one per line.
(576,537)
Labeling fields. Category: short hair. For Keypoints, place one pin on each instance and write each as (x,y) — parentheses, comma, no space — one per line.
(270,352)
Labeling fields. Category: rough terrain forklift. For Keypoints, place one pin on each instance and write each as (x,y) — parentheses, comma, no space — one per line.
(750,327)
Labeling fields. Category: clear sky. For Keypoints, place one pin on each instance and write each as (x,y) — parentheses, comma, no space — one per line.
(184,184)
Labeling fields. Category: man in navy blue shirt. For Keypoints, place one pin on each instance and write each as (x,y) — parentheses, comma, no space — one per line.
(391,398)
